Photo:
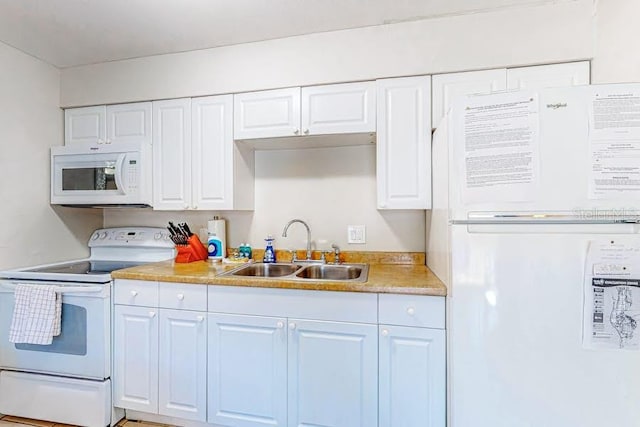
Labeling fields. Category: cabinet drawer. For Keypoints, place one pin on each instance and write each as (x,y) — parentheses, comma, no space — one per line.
(412,310)
(183,296)
(136,292)
(298,303)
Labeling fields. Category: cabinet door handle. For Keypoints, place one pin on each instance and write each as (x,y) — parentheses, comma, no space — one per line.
(384,332)
(152,314)
(200,318)
(411,311)
(186,207)
(180,297)
(296,132)
(292,325)
(134,293)
(306,131)
(280,325)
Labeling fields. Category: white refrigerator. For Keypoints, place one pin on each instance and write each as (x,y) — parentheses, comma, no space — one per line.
(516,270)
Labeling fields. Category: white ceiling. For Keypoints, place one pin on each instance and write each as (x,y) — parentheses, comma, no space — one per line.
(68,33)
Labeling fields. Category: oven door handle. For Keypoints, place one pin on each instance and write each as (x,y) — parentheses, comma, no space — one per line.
(63,289)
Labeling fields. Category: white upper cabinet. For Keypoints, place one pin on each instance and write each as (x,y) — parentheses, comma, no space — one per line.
(172,154)
(403,155)
(196,164)
(553,75)
(85,125)
(313,110)
(129,122)
(108,124)
(446,87)
(222,171)
(270,113)
(340,108)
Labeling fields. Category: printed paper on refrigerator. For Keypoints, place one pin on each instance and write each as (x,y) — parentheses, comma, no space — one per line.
(611,298)
(614,141)
(499,151)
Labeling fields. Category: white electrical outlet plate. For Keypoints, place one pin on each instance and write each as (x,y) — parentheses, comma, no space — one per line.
(356,234)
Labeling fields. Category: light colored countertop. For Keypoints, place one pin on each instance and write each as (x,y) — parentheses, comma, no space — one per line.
(399,278)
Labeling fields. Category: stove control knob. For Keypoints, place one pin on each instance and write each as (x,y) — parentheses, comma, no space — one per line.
(95,236)
(158,236)
(103,235)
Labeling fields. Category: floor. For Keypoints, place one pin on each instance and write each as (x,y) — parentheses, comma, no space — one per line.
(9,421)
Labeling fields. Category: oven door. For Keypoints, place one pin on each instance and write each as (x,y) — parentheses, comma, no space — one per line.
(83,347)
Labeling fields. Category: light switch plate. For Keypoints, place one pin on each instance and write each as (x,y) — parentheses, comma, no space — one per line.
(356,234)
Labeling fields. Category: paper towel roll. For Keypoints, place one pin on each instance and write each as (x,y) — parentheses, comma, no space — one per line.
(218,228)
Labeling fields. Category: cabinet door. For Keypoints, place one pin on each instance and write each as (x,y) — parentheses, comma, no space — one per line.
(403,152)
(341,108)
(266,114)
(135,364)
(553,75)
(412,377)
(333,379)
(172,154)
(447,87)
(183,364)
(212,152)
(247,371)
(129,122)
(85,125)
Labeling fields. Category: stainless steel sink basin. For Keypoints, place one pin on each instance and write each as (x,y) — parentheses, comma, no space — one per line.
(267,270)
(331,272)
(302,273)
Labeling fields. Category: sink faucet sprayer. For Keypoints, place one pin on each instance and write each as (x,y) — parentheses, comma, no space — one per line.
(286,227)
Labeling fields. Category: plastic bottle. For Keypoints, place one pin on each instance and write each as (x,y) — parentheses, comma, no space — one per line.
(245,250)
(217,240)
(214,247)
(269,251)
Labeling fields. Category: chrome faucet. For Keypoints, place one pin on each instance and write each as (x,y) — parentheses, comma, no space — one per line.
(286,227)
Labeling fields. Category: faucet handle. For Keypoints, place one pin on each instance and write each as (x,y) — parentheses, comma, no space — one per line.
(336,253)
(294,255)
(323,257)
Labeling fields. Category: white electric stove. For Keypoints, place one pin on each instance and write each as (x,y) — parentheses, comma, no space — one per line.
(70,378)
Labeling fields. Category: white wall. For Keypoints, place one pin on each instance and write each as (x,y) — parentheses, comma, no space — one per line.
(616,57)
(513,36)
(30,122)
(332,188)
(329,188)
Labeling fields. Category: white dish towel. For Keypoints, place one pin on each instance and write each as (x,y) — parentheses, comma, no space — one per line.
(37,314)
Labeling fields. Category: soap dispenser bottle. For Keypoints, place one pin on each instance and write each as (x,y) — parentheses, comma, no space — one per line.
(269,251)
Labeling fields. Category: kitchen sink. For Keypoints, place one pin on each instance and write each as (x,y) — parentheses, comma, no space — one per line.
(266,270)
(298,272)
(331,272)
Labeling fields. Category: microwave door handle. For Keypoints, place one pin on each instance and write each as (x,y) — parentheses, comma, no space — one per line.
(119,176)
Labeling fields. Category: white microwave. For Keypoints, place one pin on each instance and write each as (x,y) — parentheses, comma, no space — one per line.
(115,175)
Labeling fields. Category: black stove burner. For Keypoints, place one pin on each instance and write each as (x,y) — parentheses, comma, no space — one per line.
(87,267)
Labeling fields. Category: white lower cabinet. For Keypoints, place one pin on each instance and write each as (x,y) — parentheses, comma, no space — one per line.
(247,371)
(278,357)
(160,354)
(333,374)
(182,378)
(412,377)
(135,364)
(412,369)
